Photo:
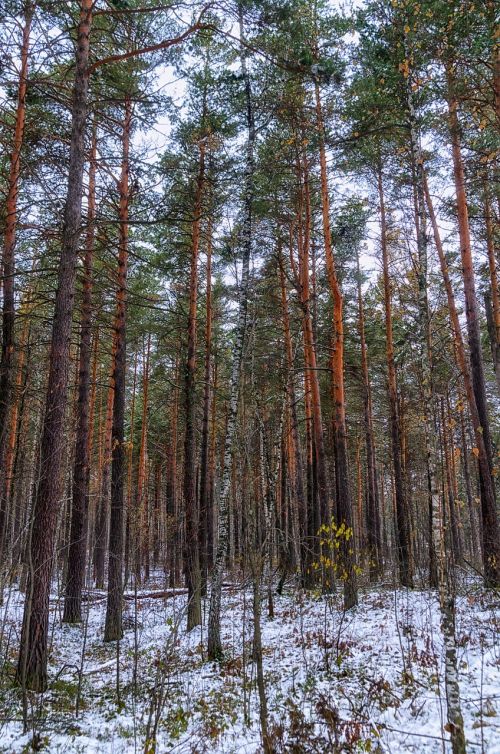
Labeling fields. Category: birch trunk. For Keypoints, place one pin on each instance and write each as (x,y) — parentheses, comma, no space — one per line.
(214,638)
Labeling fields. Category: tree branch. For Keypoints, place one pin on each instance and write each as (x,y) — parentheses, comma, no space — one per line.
(197,26)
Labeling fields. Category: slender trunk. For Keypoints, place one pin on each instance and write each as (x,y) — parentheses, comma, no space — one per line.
(174,536)
(191,552)
(297,502)
(454,524)
(32,667)
(81,471)
(475,539)
(344,502)
(319,500)
(14,418)
(157,520)
(267,744)
(437,505)
(204,504)
(359,525)
(402,523)
(7,272)
(19,417)
(493,294)
(140,513)
(214,638)
(113,627)
(131,522)
(92,410)
(101,519)
(425,343)
(490,529)
(310,524)
(372,498)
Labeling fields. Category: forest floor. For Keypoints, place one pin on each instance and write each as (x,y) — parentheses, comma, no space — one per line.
(367,680)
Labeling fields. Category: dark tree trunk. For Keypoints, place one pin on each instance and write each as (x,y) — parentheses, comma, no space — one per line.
(491,529)
(32,667)
(402,522)
(113,627)
(138,518)
(372,498)
(319,499)
(7,271)
(487,488)
(204,506)
(493,295)
(192,553)
(101,516)
(297,502)
(344,502)
(81,472)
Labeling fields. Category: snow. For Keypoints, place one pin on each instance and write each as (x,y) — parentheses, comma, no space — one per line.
(367,680)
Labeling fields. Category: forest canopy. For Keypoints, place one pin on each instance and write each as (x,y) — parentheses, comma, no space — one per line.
(250,367)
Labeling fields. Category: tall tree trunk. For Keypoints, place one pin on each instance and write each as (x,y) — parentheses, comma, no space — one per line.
(491,531)
(131,521)
(7,272)
(81,472)
(319,499)
(425,343)
(204,497)
(453,517)
(475,539)
(489,528)
(437,505)
(372,498)
(15,418)
(493,296)
(191,552)
(141,523)
(344,502)
(297,503)
(32,666)
(173,534)
(402,522)
(113,626)
(18,417)
(214,638)
(102,512)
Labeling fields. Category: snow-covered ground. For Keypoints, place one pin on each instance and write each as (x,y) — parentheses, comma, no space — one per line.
(368,680)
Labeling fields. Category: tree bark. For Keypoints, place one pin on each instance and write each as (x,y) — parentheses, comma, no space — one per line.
(372,498)
(204,497)
(141,523)
(8,272)
(102,512)
(81,472)
(493,296)
(297,503)
(214,638)
(191,552)
(489,528)
(491,531)
(402,523)
(344,502)
(32,666)
(113,626)
(319,500)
